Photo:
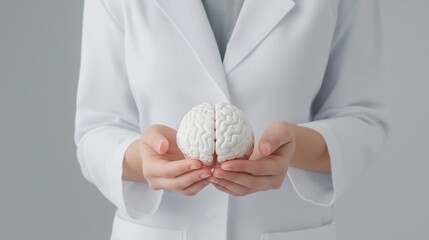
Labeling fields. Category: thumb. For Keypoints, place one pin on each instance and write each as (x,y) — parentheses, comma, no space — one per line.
(160,144)
(275,136)
(156,137)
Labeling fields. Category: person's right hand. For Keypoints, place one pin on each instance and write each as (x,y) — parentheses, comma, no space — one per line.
(164,166)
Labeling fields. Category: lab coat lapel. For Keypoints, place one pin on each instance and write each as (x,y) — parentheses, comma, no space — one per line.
(190,19)
(255,22)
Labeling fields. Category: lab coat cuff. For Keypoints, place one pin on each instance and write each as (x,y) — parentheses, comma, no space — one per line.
(125,202)
(139,199)
(320,188)
(135,199)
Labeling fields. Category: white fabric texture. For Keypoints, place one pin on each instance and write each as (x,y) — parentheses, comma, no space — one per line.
(105,129)
(346,119)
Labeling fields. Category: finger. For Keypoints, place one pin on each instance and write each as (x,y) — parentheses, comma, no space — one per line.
(184,181)
(275,136)
(247,180)
(226,190)
(256,154)
(262,167)
(238,189)
(159,137)
(170,169)
(195,188)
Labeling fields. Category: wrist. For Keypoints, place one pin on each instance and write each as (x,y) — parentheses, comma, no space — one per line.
(311,152)
(132,164)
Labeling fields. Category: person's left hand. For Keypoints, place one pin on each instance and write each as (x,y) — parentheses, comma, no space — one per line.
(266,168)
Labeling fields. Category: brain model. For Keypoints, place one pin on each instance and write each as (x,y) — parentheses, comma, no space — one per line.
(221,130)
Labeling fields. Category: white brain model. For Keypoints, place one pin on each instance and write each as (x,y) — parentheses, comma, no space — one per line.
(207,130)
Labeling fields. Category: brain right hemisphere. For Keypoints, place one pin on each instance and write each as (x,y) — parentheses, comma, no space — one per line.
(207,130)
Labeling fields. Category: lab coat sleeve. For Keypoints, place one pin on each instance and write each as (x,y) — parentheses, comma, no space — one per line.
(106,114)
(348,111)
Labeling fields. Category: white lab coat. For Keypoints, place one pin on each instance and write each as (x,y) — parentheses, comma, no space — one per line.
(313,63)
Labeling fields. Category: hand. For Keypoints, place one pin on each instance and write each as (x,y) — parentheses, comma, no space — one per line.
(164,166)
(266,168)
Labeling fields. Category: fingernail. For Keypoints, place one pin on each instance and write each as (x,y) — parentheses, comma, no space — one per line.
(214,180)
(193,167)
(204,175)
(158,146)
(226,168)
(268,147)
(218,176)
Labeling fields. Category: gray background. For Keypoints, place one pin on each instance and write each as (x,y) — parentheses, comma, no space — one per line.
(44,196)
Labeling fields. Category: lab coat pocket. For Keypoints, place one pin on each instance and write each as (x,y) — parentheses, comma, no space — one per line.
(125,230)
(326,232)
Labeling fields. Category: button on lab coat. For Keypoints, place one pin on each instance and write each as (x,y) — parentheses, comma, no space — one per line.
(312,63)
